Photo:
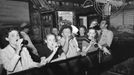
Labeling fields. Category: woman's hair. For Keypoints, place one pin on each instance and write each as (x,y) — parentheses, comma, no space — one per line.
(24,25)
(97,27)
(65,27)
(27,26)
(93,21)
(8,30)
(53,28)
(45,38)
(96,36)
(4,34)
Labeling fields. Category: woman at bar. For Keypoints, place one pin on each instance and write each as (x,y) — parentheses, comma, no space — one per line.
(50,48)
(94,24)
(82,36)
(89,46)
(53,52)
(68,41)
(92,44)
(15,56)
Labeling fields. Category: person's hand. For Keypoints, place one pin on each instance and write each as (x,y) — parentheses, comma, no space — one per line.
(55,46)
(18,45)
(106,51)
(83,53)
(71,37)
(100,46)
(92,42)
(68,38)
(43,61)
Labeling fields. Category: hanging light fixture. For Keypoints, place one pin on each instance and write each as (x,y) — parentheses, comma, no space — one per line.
(87,3)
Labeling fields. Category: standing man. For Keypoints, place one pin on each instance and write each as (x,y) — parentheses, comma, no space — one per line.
(104,42)
(106,36)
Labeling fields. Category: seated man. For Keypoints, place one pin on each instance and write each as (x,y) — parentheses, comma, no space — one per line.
(105,40)
(68,41)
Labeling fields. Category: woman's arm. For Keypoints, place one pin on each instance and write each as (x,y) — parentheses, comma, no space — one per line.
(65,45)
(86,48)
(48,59)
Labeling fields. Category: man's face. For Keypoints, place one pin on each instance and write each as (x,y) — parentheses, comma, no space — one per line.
(82,31)
(66,32)
(50,40)
(103,24)
(91,34)
(55,31)
(13,36)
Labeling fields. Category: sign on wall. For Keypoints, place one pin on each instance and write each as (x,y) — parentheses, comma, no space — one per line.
(65,16)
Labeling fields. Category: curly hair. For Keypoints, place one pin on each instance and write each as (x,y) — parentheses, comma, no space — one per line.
(65,27)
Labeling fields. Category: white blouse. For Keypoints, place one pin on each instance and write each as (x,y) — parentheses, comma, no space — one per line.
(15,63)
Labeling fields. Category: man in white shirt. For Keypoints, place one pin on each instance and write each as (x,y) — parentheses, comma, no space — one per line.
(106,37)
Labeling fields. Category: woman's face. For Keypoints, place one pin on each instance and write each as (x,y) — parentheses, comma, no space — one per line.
(91,34)
(66,32)
(93,24)
(82,31)
(51,40)
(13,37)
(55,31)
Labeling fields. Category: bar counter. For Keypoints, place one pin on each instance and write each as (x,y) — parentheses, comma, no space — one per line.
(70,66)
